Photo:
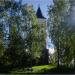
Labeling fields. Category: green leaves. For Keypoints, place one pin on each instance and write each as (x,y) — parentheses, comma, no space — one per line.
(61,33)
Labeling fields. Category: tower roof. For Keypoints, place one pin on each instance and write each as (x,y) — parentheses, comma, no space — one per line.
(39,13)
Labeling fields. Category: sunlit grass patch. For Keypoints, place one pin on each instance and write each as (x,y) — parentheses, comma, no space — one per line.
(41,68)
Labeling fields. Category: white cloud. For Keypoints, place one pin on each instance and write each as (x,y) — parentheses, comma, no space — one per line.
(51,50)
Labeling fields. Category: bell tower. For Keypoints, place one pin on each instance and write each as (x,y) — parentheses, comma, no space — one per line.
(42,28)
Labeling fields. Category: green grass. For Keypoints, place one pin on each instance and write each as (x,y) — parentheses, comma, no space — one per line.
(41,68)
(36,69)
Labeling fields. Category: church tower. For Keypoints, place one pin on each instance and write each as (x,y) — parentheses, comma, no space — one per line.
(42,28)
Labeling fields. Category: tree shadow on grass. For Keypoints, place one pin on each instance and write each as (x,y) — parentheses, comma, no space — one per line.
(5,68)
(60,70)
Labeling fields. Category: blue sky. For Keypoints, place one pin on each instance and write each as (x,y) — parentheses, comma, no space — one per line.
(42,3)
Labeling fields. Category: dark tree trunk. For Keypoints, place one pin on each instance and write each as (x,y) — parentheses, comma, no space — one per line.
(58,58)
(74,62)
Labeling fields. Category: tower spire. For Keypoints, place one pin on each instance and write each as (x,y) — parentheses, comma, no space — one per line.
(39,13)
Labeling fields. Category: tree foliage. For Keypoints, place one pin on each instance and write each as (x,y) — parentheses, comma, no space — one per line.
(23,47)
(62,34)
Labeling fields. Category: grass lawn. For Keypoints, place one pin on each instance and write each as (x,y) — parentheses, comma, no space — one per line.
(35,69)
(44,69)
(39,69)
